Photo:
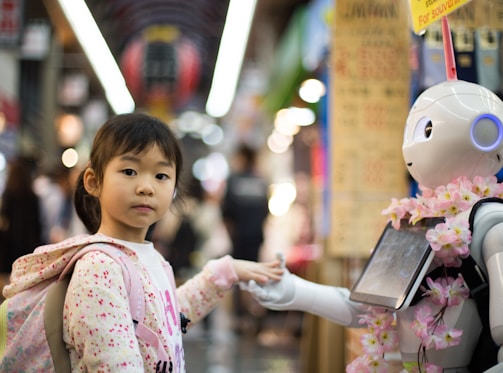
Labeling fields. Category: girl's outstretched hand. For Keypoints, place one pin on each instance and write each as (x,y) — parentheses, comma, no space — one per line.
(260,272)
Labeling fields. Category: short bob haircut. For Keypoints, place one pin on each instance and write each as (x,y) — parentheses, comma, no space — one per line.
(124,133)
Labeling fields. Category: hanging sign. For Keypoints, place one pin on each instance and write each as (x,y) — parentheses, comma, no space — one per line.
(10,22)
(426,12)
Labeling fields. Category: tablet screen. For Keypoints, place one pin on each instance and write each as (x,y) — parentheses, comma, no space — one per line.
(397,265)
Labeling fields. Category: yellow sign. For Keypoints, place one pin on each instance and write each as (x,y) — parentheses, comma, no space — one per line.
(426,12)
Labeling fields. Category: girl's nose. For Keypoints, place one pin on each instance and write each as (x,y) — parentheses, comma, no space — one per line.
(145,188)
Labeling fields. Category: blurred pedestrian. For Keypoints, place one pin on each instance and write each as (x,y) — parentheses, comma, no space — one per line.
(244,210)
(20,218)
(59,218)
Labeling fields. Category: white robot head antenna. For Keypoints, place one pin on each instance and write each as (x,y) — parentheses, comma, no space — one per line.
(453,129)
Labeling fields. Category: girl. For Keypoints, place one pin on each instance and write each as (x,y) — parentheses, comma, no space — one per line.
(131,182)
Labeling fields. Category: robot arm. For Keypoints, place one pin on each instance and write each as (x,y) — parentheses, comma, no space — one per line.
(295,293)
(492,250)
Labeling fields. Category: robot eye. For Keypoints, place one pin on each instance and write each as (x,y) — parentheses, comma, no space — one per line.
(428,129)
(423,130)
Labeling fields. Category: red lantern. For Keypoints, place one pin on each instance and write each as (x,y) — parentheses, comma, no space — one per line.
(158,67)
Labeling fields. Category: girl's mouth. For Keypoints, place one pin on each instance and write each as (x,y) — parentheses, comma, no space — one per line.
(143,208)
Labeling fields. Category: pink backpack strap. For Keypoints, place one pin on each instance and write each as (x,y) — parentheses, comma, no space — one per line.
(134,287)
(131,276)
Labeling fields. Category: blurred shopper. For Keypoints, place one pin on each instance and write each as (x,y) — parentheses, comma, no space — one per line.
(55,191)
(20,217)
(214,241)
(244,210)
(176,239)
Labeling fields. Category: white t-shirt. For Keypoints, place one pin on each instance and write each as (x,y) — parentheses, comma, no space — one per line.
(152,260)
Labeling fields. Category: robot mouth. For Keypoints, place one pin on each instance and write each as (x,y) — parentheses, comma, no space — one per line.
(409,164)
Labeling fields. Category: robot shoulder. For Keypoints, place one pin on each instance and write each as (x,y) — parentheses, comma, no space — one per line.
(484,215)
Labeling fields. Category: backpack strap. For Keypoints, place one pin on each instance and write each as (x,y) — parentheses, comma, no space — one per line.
(132,279)
(53,326)
(56,299)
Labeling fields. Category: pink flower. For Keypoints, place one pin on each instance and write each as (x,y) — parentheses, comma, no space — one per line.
(377,318)
(426,192)
(498,190)
(441,236)
(450,240)
(397,211)
(462,229)
(457,291)
(432,368)
(378,365)
(466,197)
(446,291)
(444,193)
(418,213)
(358,365)
(367,364)
(389,340)
(437,293)
(424,318)
(484,186)
(444,337)
(371,345)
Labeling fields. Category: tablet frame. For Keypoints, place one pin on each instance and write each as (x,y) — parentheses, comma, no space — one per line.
(382,269)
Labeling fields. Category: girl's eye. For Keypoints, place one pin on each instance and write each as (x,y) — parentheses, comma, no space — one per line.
(129,172)
(162,176)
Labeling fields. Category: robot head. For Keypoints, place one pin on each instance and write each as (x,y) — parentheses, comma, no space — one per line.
(453,129)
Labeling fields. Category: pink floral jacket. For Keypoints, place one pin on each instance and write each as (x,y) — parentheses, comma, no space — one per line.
(98,328)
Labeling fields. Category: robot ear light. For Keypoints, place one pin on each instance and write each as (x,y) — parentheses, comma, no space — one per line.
(486,132)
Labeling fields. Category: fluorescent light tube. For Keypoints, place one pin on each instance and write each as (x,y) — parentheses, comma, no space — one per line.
(230,56)
(101,59)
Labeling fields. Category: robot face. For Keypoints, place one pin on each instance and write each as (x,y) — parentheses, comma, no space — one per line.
(453,129)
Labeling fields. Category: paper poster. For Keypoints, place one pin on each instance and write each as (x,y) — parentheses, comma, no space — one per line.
(370,100)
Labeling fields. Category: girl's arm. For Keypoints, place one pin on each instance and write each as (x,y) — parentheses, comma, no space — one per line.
(199,295)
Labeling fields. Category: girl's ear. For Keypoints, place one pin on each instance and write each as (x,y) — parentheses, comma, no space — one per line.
(91,182)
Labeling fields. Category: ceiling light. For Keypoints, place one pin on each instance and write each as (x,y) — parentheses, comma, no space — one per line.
(70,158)
(301,116)
(230,56)
(311,90)
(101,59)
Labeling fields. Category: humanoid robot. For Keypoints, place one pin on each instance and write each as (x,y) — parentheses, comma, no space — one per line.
(453,129)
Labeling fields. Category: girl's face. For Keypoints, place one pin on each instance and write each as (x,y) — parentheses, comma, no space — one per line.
(137,191)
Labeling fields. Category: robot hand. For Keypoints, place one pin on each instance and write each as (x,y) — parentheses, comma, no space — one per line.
(295,293)
(275,295)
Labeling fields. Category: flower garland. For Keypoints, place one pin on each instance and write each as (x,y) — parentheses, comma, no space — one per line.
(450,241)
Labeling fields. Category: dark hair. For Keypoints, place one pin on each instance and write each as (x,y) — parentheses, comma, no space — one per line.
(122,134)
(19,177)
(248,154)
